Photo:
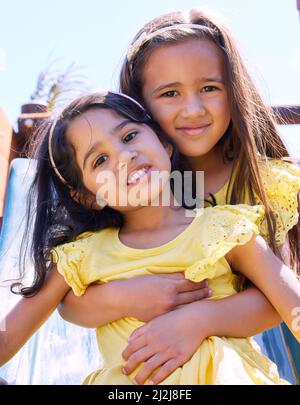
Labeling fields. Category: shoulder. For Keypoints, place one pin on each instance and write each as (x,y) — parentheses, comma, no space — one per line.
(72,258)
(281,180)
(276,171)
(221,228)
(224,223)
(85,241)
(83,246)
(231,214)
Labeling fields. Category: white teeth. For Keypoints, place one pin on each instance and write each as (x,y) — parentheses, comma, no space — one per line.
(136,175)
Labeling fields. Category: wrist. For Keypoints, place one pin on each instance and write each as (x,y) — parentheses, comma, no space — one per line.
(121,302)
(202,318)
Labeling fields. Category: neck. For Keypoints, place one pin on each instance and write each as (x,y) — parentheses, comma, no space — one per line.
(209,162)
(216,170)
(153,216)
(150,218)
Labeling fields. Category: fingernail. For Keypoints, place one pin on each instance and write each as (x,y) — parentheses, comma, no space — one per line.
(209,292)
(134,382)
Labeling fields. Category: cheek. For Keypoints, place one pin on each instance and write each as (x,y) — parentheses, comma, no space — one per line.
(96,180)
(225,106)
(90,185)
(222,111)
(163,114)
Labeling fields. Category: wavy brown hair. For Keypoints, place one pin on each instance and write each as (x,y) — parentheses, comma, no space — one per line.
(252,134)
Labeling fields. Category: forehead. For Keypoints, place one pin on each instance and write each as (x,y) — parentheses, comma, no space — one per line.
(185,57)
(94,122)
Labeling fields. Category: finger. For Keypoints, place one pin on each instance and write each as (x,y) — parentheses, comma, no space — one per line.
(187,285)
(134,346)
(137,333)
(166,369)
(192,296)
(149,367)
(136,359)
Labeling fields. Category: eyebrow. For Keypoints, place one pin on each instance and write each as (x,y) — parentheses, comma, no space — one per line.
(96,145)
(212,79)
(164,86)
(120,126)
(173,84)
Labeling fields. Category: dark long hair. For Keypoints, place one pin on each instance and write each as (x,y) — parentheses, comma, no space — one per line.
(252,134)
(56,216)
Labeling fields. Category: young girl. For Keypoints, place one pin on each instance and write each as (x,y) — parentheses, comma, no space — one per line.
(185,68)
(93,236)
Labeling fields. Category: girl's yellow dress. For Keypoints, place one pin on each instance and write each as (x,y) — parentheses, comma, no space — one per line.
(282,184)
(199,251)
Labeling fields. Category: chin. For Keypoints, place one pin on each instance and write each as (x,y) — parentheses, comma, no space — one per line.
(193,152)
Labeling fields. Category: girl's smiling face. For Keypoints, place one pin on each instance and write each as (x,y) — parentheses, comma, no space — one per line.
(184,88)
(117,157)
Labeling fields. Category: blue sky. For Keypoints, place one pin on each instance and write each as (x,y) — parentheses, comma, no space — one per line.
(95,35)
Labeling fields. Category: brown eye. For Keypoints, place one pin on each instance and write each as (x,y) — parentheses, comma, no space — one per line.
(100,160)
(170,93)
(208,89)
(127,138)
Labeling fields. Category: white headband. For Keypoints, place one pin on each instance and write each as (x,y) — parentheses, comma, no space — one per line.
(145,37)
(51,156)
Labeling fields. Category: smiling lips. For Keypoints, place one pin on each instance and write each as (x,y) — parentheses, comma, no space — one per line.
(193,130)
(137,175)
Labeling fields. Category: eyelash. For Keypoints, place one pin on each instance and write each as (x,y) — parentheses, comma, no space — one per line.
(96,163)
(167,93)
(171,93)
(130,133)
(208,87)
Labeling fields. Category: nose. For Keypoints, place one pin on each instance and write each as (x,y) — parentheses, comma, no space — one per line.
(193,107)
(126,157)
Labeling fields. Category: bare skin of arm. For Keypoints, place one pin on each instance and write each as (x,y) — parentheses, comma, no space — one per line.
(156,295)
(278,282)
(159,294)
(29,314)
(171,350)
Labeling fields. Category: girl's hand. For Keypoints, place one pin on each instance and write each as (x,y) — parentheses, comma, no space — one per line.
(143,298)
(167,342)
(154,295)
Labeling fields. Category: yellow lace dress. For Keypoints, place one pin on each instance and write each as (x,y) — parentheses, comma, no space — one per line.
(199,251)
(282,185)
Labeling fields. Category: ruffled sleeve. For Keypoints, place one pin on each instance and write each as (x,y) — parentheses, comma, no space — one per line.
(69,261)
(282,184)
(222,228)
